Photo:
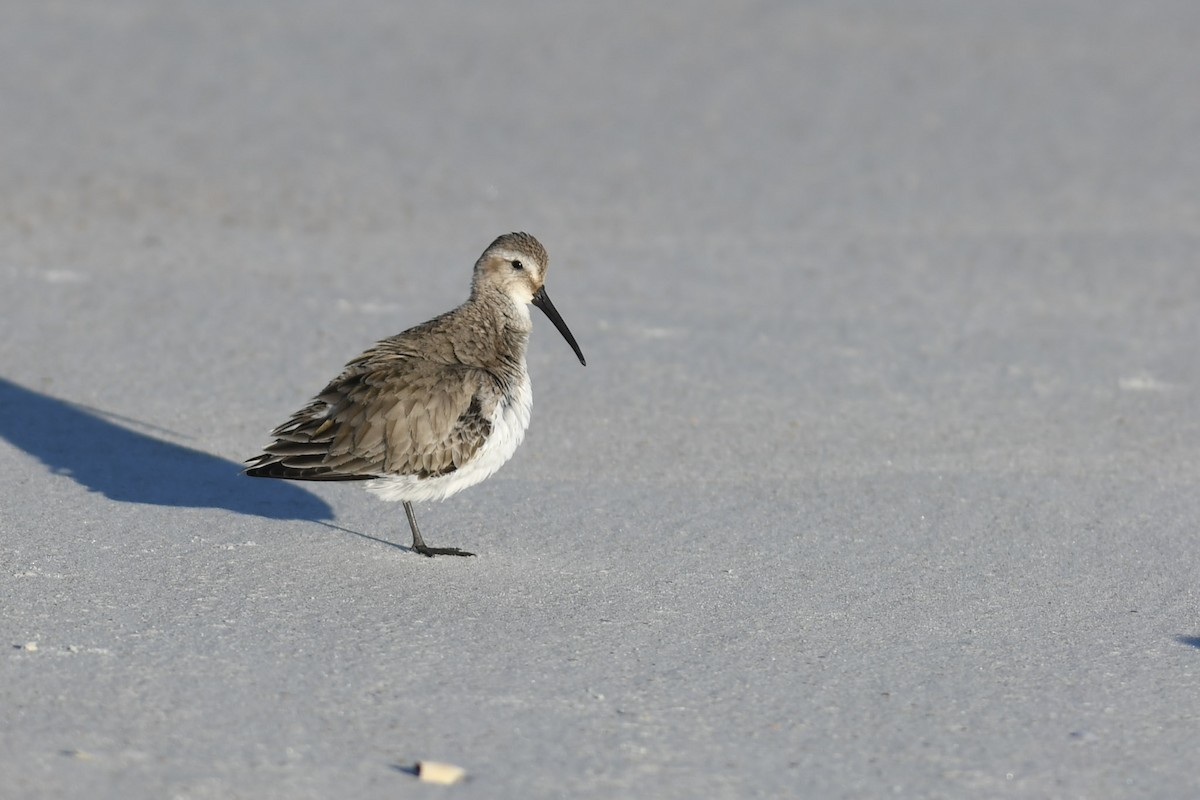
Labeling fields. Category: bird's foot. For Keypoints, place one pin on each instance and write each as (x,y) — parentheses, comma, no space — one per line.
(425,550)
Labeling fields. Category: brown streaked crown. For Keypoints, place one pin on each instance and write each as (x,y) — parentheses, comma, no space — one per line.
(519,242)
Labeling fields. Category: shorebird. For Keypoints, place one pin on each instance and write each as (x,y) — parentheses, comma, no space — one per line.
(428,412)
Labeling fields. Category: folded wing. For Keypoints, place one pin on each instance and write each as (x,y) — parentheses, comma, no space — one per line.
(389,416)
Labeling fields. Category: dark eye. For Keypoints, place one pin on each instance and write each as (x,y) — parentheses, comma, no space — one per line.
(517,264)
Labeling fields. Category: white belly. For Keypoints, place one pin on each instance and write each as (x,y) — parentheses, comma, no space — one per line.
(509,422)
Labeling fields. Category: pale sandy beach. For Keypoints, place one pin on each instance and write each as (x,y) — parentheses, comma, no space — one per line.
(882,478)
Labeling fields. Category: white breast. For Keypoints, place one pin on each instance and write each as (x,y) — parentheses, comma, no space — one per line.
(509,422)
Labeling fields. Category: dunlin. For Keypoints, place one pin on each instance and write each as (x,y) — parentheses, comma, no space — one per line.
(433,410)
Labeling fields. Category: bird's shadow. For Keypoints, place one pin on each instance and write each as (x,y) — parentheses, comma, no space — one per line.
(1190,641)
(97,451)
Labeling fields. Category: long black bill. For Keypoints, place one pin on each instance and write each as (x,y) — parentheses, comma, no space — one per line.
(542,301)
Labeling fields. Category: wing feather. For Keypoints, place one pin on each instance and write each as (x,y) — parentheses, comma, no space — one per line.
(389,413)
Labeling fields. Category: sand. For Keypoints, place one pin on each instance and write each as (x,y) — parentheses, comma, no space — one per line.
(881,478)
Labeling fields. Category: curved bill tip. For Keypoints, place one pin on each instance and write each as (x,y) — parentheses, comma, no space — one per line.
(542,301)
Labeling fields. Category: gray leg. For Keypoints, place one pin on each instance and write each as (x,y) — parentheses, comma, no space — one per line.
(418,544)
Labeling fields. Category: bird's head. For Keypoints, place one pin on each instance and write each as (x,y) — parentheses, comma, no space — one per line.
(515,264)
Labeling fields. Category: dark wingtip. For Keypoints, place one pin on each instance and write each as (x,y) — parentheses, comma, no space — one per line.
(267,470)
(274,469)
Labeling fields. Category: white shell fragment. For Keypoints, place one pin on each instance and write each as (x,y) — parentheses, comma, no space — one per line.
(439,772)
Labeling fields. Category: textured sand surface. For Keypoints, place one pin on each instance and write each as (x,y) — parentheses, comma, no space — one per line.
(881,478)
